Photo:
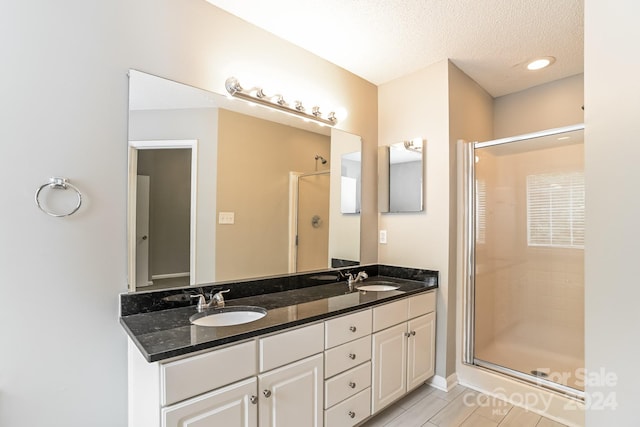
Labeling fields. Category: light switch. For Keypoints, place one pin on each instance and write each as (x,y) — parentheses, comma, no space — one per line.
(383,237)
(226,217)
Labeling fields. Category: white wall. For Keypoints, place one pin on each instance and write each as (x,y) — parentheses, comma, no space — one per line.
(612,104)
(64,109)
(420,240)
(442,105)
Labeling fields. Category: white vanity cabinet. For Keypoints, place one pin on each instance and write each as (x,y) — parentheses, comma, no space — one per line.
(234,405)
(347,361)
(291,396)
(334,373)
(275,381)
(402,348)
(290,390)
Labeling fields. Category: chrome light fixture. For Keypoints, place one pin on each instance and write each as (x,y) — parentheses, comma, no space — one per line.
(277,102)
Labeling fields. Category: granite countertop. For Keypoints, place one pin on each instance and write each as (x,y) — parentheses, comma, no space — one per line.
(168,333)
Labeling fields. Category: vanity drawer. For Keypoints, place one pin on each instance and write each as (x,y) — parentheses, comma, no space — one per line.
(346,356)
(286,347)
(347,384)
(422,304)
(350,412)
(390,314)
(347,328)
(194,375)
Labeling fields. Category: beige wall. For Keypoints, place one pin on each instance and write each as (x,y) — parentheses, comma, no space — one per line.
(547,106)
(255,157)
(65,113)
(442,105)
(612,103)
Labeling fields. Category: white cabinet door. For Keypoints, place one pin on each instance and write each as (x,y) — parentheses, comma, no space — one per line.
(292,395)
(421,353)
(234,405)
(389,366)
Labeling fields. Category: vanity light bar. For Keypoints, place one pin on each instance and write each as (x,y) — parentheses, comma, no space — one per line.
(277,102)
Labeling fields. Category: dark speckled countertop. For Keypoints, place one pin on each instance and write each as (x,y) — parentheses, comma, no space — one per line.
(167,333)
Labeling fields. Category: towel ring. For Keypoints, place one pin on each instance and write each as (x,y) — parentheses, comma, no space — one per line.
(58,183)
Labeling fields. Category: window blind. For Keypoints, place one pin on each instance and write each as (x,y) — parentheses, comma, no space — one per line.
(555,210)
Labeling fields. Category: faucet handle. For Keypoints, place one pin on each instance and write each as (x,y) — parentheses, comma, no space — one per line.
(218,294)
(201,302)
(217,297)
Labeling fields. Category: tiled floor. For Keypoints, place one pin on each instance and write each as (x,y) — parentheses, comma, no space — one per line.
(460,407)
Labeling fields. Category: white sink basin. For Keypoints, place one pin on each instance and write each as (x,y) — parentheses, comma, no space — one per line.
(228,316)
(378,286)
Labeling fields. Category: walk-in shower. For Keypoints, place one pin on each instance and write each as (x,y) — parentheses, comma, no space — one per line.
(524,250)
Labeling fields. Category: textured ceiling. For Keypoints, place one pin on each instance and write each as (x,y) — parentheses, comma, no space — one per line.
(381,40)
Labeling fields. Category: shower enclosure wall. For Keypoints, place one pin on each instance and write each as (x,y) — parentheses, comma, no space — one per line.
(524,296)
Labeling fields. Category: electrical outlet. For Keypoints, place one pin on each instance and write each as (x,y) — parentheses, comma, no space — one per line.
(383,237)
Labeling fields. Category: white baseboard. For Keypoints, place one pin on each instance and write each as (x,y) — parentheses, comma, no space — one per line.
(169,275)
(142,285)
(442,383)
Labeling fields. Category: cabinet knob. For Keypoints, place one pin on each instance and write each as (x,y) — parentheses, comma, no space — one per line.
(267,393)
(352,356)
(407,334)
(352,414)
(253,399)
(352,328)
(413,333)
(352,384)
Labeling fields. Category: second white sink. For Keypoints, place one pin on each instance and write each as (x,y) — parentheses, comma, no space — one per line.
(228,316)
(378,286)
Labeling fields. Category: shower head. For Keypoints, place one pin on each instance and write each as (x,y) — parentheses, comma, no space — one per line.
(322,159)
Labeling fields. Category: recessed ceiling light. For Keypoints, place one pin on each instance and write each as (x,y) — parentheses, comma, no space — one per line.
(540,63)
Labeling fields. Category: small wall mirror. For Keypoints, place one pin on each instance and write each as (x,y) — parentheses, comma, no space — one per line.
(400,176)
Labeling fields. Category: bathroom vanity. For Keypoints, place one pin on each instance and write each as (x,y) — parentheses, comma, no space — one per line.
(323,354)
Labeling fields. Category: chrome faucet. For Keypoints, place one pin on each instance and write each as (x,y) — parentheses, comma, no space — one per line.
(216,301)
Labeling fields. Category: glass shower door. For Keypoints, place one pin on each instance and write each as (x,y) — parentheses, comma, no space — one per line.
(529,258)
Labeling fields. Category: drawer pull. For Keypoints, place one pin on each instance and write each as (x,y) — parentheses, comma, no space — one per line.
(352,356)
(352,328)
(267,393)
(253,399)
(352,414)
(352,384)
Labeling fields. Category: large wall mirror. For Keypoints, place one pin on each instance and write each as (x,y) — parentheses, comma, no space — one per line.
(220,190)
(400,176)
